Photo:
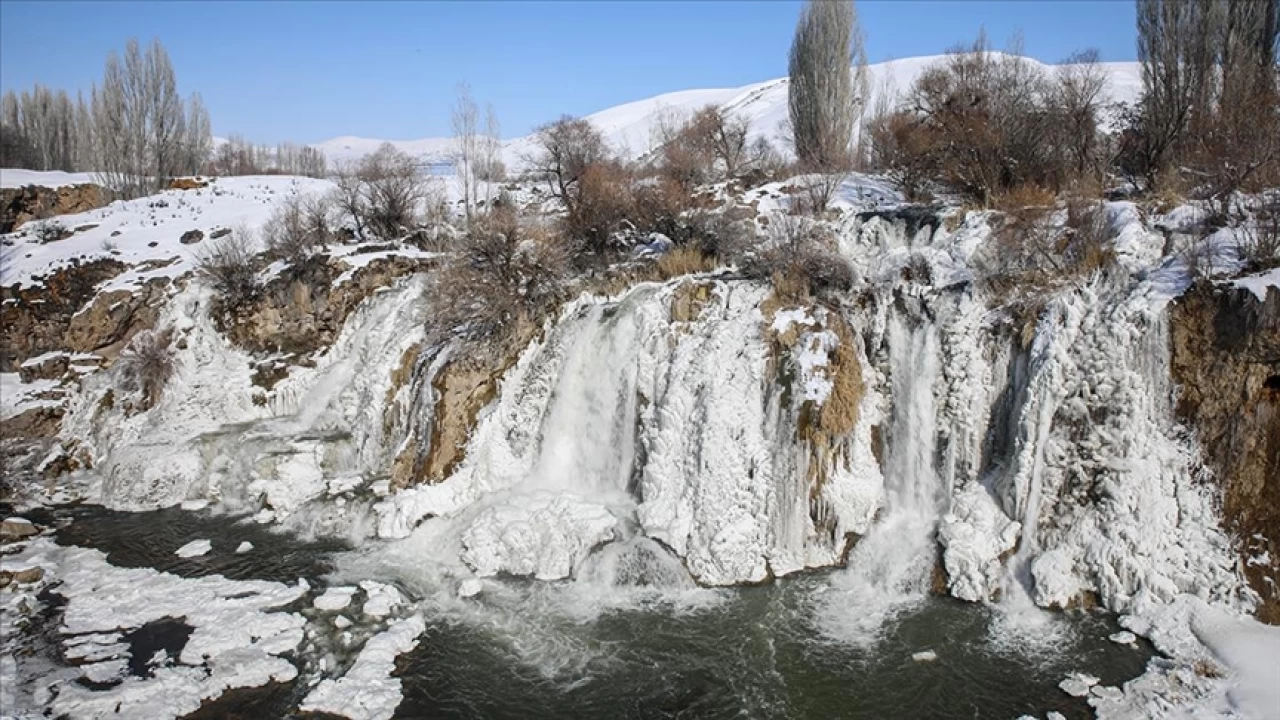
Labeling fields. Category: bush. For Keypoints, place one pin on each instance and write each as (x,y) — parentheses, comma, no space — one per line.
(800,260)
(146,365)
(603,203)
(47,231)
(986,123)
(228,265)
(298,228)
(1032,252)
(382,194)
(900,146)
(1260,239)
(503,279)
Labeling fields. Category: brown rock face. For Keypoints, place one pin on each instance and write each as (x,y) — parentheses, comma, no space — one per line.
(21,205)
(1226,360)
(300,311)
(34,319)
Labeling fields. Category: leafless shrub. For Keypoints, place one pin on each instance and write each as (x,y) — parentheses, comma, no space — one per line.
(817,192)
(709,146)
(604,201)
(382,194)
(900,145)
(722,234)
(298,228)
(1033,252)
(146,365)
(47,231)
(800,260)
(502,278)
(1260,239)
(228,265)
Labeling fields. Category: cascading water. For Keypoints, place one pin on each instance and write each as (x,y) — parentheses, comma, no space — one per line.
(889,569)
(693,399)
(327,434)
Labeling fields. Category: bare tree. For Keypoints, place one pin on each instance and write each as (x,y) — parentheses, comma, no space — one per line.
(166,119)
(1078,97)
(382,194)
(140,124)
(491,168)
(827,70)
(465,150)
(198,143)
(1176,46)
(1239,135)
(566,148)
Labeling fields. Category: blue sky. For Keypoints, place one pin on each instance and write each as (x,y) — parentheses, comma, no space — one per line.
(308,71)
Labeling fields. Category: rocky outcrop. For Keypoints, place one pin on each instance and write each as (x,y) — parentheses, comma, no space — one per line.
(21,205)
(34,319)
(302,310)
(1226,360)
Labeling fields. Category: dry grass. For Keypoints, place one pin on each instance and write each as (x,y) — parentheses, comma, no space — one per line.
(839,413)
(147,364)
(684,260)
(1023,198)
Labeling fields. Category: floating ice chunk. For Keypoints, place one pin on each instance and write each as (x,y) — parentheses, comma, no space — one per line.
(264,516)
(335,598)
(244,547)
(470,587)
(382,598)
(1078,684)
(194,504)
(96,648)
(924,656)
(1106,692)
(342,622)
(1055,715)
(1124,637)
(368,691)
(106,671)
(235,641)
(195,548)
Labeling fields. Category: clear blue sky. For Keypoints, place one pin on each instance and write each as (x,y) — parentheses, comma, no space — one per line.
(308,71)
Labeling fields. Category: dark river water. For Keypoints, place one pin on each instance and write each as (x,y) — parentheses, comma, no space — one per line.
(751,652)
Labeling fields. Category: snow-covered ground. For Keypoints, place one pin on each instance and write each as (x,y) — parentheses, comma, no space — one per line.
(146,233)
(13,178)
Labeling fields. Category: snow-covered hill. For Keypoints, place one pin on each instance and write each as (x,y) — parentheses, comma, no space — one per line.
(630,127)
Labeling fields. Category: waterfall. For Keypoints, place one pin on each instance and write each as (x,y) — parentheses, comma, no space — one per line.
(652,424)
(889,569)
(1105,483)
(588,433)
(326,434)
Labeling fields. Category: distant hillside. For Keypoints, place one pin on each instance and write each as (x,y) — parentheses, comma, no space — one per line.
(629,127)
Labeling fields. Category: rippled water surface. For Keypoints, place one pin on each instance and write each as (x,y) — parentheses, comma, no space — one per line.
(756,656)
(536,650)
